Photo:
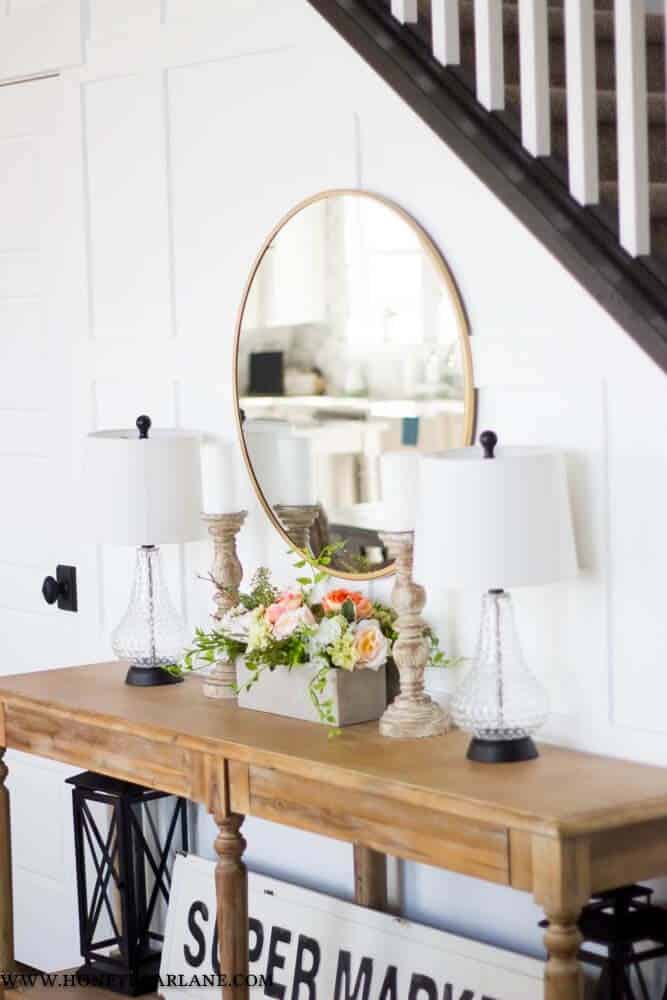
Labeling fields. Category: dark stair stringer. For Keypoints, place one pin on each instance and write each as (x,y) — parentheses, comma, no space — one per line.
(632,290)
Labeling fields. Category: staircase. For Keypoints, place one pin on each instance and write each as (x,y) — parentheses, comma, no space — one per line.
(530,94)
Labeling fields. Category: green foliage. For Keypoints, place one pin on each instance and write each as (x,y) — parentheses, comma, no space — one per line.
(348,611)
(319,566)
(207,647)
(262,592)
(438,657)
(387,620)
(324,708)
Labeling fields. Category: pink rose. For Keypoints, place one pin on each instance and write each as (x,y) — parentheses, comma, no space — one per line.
(291,620)
(288,601)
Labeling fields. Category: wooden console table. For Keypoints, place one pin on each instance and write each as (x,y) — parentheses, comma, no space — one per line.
(561,827)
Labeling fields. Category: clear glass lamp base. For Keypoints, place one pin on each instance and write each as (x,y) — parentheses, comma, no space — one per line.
(151,633)
(500,701)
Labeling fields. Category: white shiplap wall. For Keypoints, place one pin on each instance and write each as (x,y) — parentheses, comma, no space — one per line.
(189,129)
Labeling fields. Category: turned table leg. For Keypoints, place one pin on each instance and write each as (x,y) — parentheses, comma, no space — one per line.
(370,878)
(231,881)
(562,886)
(564,978)
(6,916)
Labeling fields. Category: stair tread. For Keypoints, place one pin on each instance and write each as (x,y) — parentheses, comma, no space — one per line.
(604,23)
(657,191)
(657,104)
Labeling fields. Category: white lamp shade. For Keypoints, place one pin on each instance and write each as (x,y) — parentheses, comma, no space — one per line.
(143,491)
(493,523)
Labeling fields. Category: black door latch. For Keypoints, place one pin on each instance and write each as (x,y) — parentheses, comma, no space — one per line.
(61,589)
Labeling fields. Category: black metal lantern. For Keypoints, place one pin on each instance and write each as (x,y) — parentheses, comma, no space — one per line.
(630,931)
(123,869)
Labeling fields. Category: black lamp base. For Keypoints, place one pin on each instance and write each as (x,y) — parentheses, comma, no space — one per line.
(502,751)
(150,677)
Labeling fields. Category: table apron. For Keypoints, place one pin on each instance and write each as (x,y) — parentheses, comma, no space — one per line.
(396,828)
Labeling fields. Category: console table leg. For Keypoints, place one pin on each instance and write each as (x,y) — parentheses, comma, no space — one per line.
(6,914)
(231,880)
(564,978)
(562,886)
(370,878)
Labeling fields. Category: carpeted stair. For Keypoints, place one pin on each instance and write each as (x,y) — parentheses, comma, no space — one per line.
(656,110)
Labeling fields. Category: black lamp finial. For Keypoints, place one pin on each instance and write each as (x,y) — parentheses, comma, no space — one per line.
(488,441)
(144,424)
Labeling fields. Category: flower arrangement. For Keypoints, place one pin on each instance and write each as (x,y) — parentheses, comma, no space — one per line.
(270,628)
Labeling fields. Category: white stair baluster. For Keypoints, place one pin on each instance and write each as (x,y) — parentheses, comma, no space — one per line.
(446,31)
(582,119)
(534,54)
(490,54)
(404,11)
(632,116)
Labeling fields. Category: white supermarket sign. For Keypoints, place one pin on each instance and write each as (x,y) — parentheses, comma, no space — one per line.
(306,946)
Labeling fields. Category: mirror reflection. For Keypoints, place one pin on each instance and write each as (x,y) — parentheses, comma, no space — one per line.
(352,345)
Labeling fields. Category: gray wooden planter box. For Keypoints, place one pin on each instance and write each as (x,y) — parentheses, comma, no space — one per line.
(360,696)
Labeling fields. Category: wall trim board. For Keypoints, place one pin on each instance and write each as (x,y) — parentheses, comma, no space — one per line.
(38,43)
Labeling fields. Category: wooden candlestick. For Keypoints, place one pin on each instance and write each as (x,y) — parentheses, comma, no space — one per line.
(227,574)
(297,521)
(413,713)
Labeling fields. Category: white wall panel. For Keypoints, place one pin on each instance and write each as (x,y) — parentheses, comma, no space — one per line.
(19,274)
(638,499)
(220,148)
(26,432)
(18,208)
(118,402)
(108,18)
(29,109)
(40,37)
(128,213)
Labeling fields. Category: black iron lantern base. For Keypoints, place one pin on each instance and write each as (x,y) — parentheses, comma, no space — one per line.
(106,974)
(502,751)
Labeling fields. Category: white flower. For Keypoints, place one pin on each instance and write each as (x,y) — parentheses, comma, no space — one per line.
(290,621)
(259,631)
(328,631)
(237,621)
(370,645)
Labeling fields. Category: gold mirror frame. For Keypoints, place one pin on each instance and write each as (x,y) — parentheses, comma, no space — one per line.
(470,399)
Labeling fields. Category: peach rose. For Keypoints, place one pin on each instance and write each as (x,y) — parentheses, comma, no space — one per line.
(370,645)
(288,601)
(335,599)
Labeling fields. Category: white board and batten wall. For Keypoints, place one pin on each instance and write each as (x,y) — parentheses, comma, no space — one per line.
(187,129)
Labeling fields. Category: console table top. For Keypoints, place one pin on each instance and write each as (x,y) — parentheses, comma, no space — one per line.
(565,791)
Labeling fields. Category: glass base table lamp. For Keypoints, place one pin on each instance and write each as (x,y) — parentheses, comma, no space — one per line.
(492,521)
(144,489)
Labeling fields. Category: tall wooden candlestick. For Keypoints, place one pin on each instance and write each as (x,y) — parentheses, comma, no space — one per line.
(297,521)
(413,713)
(227,574)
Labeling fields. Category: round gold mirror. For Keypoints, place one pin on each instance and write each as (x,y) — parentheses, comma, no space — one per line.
(352,345)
